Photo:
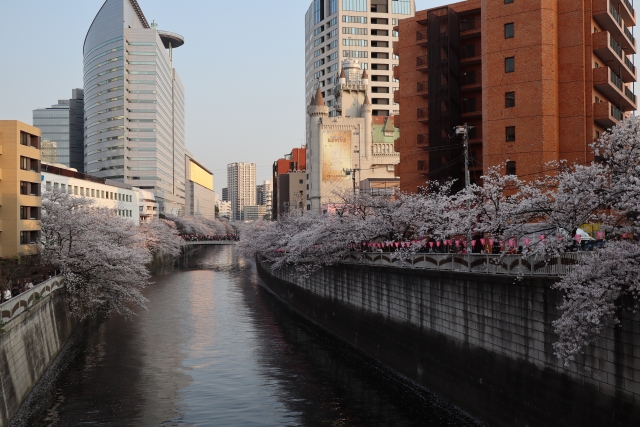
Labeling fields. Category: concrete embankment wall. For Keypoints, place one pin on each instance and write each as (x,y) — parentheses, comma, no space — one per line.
(37,326)
(482,341)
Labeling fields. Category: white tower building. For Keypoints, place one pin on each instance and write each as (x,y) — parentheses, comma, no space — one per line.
(342,152)
(134,128)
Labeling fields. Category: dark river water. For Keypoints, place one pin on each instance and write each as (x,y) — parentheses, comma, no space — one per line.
(215,348)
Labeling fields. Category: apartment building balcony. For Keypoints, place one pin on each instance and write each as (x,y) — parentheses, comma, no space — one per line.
(606,14)
(422,139)
(611,86)
(421,38)
(625,8)
(396,73)
(422,63)
(606,114)
(608,49)
(469,27)
(396,96)
(423,115)
(423,89)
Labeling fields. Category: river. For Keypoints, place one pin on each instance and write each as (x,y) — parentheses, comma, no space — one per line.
(215,348)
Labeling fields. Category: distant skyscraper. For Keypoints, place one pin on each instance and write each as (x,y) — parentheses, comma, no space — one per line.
(241,182)
(134,104)
(225,194)
(62,131)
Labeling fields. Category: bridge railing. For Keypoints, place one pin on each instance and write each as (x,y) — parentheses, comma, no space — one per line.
(513,265)
(22,302)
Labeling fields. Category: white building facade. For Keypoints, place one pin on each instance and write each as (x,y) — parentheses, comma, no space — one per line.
(134,129)
(105,193)
(342,151)
(241,184)
(358,29)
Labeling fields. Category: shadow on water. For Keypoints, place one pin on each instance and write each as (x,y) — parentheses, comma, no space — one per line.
(217,349)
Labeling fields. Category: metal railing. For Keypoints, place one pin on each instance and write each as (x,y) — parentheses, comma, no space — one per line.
(615,113)
(629,64)
(21,303)
(615,79)
(509,265)
(615,46)
(629,94)
(614,13)
(629,6)
(629,35)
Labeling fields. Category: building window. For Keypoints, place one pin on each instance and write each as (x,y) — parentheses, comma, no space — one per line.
(508,31)
(509,65)
(511,168)
(354,5)
(508,1)
(29,237)
(510,99)
(510,133)
(597,135)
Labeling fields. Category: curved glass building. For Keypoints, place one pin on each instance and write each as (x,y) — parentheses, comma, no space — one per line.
(134,128)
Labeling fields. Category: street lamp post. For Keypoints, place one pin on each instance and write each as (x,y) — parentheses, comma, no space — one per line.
(464,131)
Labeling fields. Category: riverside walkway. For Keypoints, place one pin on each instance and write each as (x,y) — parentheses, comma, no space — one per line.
(510,265)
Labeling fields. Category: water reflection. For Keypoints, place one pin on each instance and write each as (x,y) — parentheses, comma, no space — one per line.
(216,349)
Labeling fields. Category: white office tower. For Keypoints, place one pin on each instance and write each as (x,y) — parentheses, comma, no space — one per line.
(134,128)
(358,29)
(241,182)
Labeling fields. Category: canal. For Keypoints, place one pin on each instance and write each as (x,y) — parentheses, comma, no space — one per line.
(215,348)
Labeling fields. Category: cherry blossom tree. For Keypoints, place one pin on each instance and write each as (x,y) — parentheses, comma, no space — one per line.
(101,255)
(161,237)
(553,206)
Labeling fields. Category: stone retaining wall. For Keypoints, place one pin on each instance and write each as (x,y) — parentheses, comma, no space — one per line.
(482,341)
(30,342)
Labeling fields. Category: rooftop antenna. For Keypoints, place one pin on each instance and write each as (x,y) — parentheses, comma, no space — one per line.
(154,25)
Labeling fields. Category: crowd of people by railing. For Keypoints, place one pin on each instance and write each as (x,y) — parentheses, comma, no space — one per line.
(14,287)
(480,245)
(210,238)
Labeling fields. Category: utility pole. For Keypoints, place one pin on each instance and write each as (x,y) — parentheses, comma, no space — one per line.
(352,172)
(464,131)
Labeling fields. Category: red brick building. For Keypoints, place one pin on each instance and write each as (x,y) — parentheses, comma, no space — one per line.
(539,80)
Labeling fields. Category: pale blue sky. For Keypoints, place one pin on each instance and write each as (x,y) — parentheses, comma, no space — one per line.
(242,66)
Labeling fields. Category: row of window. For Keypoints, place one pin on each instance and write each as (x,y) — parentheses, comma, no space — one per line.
(90,192)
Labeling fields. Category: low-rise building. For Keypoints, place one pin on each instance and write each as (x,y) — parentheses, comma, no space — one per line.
(255,212)
(200,199)
(106,193)
(224,209)
(20,202)
(147,205)
(289,182)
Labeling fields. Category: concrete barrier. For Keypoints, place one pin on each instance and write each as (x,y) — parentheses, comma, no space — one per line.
(36,326)
(483,341)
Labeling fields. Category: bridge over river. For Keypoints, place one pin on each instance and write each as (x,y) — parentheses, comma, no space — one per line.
(209,243)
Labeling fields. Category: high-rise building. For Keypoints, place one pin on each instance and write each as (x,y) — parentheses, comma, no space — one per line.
(225,194)
(538,82)
(201,200)
(134,104)
(241,182)
(20,189)
(62,128)
(358,29)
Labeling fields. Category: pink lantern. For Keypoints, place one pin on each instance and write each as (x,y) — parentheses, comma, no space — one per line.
(457,242)
(527,241)
(431,244)
(541,237)
(491,242)
(599,233)
(473,243)
(578,238)
(397,245)
(438,243)
(482,242)
(464,243)
(512,243)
